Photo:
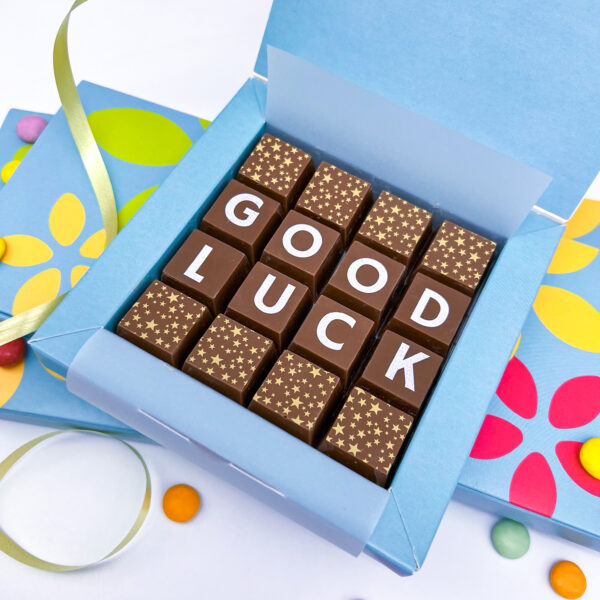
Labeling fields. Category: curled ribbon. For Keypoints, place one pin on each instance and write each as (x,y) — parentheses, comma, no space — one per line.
(12,549)
(30,320)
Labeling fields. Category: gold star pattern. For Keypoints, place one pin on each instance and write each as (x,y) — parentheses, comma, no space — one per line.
(335,198)
(395,227)
(297,396)
(164,322)
(367,435)
(230,357)
(459,256)
(276,168)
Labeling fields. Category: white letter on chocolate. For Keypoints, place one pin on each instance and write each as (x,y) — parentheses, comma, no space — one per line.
(259,297)
(314,247)
(192,270)
(443,312)
(324,323)
(400,362)
(251,215)
(382,275)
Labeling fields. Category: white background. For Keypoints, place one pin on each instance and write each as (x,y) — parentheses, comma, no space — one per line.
(73,500)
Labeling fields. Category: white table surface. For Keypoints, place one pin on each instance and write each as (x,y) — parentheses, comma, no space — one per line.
(73,500)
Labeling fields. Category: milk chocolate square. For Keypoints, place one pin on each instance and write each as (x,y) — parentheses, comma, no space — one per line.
(277,169)
(304,249)
(334,337)
(271,303)
(365,281)
(164,322)
(230,358)
(395,227)
(367,436)
(457,257)
(297,395)
(206,269)
(430,313)
(401,371)
(243,218)
(335,198)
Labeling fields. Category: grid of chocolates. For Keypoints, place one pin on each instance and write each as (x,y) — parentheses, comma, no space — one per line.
(325,312)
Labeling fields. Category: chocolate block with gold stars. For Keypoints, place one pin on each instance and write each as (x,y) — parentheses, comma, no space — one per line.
(367,436)
(230,358)
(277,169)
(297,396)
(395,227)
(457,257)
(335,198)
(164,322)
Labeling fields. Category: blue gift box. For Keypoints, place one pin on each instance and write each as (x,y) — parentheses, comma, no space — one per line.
(525,463)
(433,107)
(51,222)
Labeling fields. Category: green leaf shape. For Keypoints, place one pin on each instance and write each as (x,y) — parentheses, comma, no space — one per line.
(133,206)
(21,152)
(139,136)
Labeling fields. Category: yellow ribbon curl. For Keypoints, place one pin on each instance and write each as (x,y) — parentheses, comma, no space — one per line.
(12,549)
(30,320)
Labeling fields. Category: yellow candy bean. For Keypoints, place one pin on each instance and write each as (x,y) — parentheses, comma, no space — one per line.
(8,169)
(2,247)
(589,457)
(567,580)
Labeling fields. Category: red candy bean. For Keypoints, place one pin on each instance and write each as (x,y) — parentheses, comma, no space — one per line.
(12,353)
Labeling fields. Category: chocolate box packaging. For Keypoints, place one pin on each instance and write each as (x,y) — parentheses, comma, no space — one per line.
(52,226)
(457,137)
(525,462)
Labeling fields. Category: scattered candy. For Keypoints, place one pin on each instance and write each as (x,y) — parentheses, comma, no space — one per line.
(589,454)
(181,503)
(567,580)
(510,538)
(8,169)
(29,128)
(12,352)
(2,247)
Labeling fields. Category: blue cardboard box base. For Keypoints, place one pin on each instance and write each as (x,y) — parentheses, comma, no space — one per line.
(395,525)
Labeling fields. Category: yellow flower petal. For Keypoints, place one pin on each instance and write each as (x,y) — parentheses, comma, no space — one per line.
(50,371)
(8,169)
(10,378)
(585,218)
(40,288)
(516,345)
(569,317)
(571,256)
(25,251)
(94,245)
(77,272)
(67,219)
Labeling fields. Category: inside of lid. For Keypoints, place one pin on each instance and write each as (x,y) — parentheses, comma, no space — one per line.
(424,161)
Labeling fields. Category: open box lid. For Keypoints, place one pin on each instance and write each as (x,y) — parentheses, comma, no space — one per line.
(517,76)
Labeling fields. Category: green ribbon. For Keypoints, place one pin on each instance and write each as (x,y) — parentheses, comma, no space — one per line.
(30,320)
(14,550)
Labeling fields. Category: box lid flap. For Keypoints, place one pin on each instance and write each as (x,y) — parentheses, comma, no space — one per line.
(520,77)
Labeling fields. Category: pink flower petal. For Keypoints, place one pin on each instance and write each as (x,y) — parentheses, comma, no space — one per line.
(517,389)
(496,438)
(568,455)
(575,403)
(532,485)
